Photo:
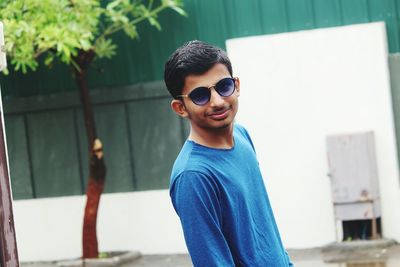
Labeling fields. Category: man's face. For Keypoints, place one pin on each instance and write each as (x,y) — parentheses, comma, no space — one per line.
(220,111)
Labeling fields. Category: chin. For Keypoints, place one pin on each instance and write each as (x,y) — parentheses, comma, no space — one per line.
(225,126)
(221,125)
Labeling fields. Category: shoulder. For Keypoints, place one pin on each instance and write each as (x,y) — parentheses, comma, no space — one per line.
(241,134)
(192,161)
(188,157)
(241,130)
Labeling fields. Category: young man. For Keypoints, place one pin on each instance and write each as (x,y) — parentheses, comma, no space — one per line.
(216,186)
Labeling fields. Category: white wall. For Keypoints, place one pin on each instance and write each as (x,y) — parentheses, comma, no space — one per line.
(51,228)
(297,88)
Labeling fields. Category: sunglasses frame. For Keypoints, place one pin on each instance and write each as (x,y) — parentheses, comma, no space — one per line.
(234,79)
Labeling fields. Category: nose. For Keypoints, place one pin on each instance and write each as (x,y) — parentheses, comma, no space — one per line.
(215,99)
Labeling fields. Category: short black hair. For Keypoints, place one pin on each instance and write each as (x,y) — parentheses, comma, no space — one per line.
(194,57)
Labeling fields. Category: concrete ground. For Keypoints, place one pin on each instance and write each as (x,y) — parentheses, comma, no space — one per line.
(347,254)
(377,257)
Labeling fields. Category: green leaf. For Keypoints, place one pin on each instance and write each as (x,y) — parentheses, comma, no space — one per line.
(154,23)
(85,44)
(130,30)
(6,71)
(66,54)
(179,10)
(49,59)
(105,48)
(113,5)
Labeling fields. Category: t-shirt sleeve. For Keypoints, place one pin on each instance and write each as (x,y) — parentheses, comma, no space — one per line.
(196,200)
(288,259)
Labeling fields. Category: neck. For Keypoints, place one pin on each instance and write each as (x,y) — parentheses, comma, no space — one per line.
(215,138)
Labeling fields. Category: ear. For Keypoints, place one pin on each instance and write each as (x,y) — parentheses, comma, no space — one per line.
(179,108)
(237,81)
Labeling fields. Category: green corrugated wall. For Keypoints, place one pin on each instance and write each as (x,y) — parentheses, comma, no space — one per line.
(48,149)
(213,21)
(45,135)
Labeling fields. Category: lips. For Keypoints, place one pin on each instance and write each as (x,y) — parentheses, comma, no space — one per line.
(220,114)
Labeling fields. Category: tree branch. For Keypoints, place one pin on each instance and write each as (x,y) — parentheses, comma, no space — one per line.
(110,30)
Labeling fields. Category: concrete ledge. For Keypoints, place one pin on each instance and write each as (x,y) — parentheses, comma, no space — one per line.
(105,262)
(359,244)
(357,250)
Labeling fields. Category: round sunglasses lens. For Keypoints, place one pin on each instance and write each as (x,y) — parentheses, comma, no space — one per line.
(200,96)
(225,87)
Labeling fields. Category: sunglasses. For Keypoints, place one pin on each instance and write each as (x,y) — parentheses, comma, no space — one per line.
(201,95)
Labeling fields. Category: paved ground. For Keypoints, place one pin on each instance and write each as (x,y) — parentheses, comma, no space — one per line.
(347,255)
(378,257)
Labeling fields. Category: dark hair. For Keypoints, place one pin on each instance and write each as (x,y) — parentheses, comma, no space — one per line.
(194,57)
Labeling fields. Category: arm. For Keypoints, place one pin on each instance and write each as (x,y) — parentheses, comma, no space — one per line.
(195,199)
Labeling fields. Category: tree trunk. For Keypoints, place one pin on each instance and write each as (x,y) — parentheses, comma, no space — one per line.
(97,169)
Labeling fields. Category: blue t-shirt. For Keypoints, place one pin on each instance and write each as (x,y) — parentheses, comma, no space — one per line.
(220,198)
